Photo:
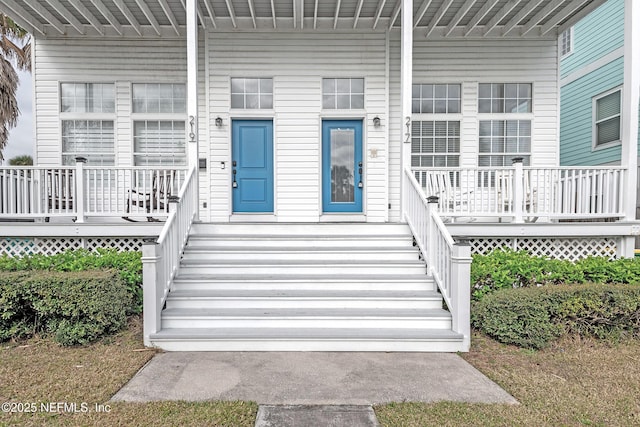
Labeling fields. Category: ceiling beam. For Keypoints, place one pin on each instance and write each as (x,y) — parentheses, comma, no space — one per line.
(88,16)
(201,20)
(421,11)
(64,12)
(504,11)
(147,13)
(252,11)
(520,16)
(396,12)
(23,18)
(48,16)
(461,14)
(546,11)
(212,15)
(127,14)
(357,14)
(438,16)
(381,4)
(562,15)
(273,14)
(479,16)
(336,14)
(108,15)
(170,16)
(232,13)
(581,14)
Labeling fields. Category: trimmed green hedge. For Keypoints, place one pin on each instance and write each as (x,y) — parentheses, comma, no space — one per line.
(75,307)
(127,264)
(533,317)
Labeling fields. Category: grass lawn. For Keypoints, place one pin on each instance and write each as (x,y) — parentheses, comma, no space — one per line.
(575,382)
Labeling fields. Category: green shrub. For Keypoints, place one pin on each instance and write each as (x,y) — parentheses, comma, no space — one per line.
(517,269)
(76,307)
(128,265)
(533,317)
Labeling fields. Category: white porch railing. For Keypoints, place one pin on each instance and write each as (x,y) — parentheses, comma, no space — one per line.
(448,262)
(82,191)
(161,257)
(526,193)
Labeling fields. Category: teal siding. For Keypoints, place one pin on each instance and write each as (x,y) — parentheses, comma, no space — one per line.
(576,116)
(599,33)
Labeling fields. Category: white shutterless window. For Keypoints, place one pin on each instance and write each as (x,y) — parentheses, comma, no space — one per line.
(607,118)
(343,94)
(158,113)
(87,112)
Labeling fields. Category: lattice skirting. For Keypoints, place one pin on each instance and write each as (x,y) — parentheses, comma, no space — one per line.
(560,248)
(15,246)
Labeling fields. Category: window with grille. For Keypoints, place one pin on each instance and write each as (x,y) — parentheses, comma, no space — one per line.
(606,120)
(435,98)
(252,94)
(502,140)
(87,112)
(566,42)
(504,98)
(343,94)
(435,143)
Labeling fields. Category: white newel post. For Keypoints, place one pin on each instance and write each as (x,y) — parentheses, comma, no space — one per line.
(432,205)
(630,100)
(461,289)
(406,70)
(80,191)
(518,189)
(150,296)
(192,92)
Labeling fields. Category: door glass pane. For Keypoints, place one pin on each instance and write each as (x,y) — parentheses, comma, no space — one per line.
(342,165)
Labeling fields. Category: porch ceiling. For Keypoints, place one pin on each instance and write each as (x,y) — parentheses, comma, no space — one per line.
(432,18)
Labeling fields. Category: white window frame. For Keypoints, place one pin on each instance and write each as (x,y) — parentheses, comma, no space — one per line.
(594,124)
(157,117)
(260,94)
(561,43)
(350,94)
(69,116)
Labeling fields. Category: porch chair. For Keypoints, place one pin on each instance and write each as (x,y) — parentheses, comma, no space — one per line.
(60,191)
(156,198)
(452,198)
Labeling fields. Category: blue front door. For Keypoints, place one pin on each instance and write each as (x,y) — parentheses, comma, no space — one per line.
(342,169)
(252,163)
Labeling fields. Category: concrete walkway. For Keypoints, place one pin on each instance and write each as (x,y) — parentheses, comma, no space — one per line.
(280,378)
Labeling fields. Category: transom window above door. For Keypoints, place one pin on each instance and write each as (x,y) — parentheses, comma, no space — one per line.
(252,94)
(343,94)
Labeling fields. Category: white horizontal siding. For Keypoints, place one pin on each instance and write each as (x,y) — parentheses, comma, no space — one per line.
(297,63)
(469,62)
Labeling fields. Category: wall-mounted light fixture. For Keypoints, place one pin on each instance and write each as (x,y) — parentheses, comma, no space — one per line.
(376,122)
(218,121)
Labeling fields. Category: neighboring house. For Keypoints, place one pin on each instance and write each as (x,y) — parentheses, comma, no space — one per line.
(592,88)
(302,137)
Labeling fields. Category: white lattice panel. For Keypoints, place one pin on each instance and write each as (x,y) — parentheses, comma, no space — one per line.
(55,245)
(559,248)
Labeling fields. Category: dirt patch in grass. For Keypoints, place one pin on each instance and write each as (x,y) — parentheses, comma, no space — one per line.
(40,372)
(574,382)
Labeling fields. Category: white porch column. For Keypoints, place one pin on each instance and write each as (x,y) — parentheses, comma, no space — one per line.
(630,100)
(192,92)
(406,81)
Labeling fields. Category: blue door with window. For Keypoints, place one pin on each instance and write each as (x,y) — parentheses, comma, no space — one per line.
(252,166)
(342,168)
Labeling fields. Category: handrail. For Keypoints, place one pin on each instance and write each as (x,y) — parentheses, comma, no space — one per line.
(161,257)
(448,262)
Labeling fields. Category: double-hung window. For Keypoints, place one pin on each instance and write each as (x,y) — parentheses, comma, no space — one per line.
(87,112)
(159,114)
(435,131)
(505,123)
(606,118)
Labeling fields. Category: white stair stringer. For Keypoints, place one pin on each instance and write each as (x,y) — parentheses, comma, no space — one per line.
(304,287)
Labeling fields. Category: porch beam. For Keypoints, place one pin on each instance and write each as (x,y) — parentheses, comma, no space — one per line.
(212,15)
(252,11)
(64,12)
(22,17)
(438,16)
(357,14)
(479,16)
(127,14)
(273,14)
(406,81)
(381,4)
(513,22)
(458,17)
(232,13)
(561,15)
(580,14)
(630,101)
(395,13)
(147,13)
(192,83)
(421,11)
(546,11)
(336,14)
(504,11)
(88,15)
(108,15)
(199,14)
(52,20)
(170,16)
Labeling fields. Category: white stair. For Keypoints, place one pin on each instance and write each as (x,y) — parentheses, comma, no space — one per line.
(304,287)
